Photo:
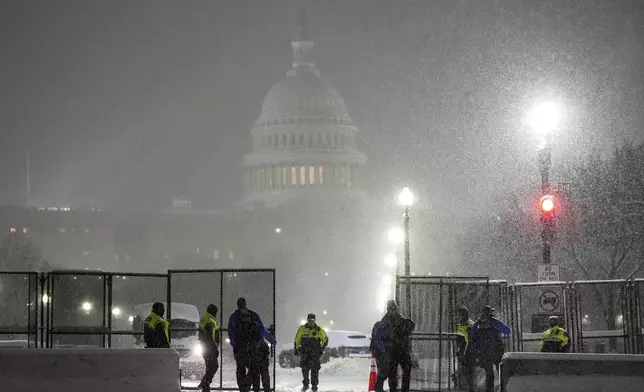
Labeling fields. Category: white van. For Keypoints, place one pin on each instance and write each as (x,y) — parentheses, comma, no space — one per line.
(184,316)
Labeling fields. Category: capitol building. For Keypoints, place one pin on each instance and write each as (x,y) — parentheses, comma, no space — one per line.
(304,142)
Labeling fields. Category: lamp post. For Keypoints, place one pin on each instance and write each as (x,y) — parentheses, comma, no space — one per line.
(391,261)
(406,199)
(543,119)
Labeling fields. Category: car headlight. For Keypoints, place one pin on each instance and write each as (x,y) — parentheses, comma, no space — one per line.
(197,349)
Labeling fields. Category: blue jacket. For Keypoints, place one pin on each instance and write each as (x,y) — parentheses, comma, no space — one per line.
(234,320)
(498,325)
(377,343)
(392,333)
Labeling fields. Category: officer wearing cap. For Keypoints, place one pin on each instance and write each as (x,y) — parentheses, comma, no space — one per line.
(555,339)
(310,342)
(487,345)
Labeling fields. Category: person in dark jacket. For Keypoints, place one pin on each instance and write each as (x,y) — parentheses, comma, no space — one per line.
(487,344)
(264,352)
(246,331)
(209,338)
(155,328)
(392,342)
(310,342)
(377,348)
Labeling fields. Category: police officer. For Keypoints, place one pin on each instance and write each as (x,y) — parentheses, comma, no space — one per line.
(464,376)
(310,342)
(155,328)
(246,331)
(264,352)
(394,331)
(209,338)
(487,345)
(555,339)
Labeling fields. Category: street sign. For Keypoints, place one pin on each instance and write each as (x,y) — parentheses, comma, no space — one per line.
(549,301)
(548,273)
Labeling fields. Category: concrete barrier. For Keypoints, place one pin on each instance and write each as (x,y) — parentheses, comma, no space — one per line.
(82,370)
(532,372)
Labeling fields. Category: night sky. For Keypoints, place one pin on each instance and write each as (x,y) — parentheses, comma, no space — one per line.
(128,103)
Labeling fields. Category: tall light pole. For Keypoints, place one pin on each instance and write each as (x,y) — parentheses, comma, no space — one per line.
(406,199)
(391,261)
(543,119)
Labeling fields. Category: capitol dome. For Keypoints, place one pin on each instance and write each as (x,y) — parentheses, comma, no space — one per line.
(303,97)
(304,142)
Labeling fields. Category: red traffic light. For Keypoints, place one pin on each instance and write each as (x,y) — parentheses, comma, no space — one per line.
(547,203)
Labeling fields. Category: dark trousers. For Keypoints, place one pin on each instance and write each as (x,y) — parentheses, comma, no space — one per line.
(247,367)
(264,363)
(210,355)
(489,368)
(310,363)
(464,376)
(388,370)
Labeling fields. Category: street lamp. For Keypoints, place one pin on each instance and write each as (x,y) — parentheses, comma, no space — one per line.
(543,119)
(406,199)
(396,235)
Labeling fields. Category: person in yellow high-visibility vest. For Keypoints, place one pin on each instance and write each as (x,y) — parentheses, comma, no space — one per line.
(555,339)
(209,338)
(155,328)
(310,342)
(464,375)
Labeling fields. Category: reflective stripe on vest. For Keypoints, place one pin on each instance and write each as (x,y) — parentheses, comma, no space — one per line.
(209,319)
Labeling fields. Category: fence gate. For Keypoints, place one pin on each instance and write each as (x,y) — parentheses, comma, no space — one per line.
(220,287)
(602,309)
(19,309)
(432,306)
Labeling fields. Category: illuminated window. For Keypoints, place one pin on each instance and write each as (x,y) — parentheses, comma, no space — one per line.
(302,175)
(321,175)
(293,176)
(12,230)
(25,230)
(284,177)
(311,175)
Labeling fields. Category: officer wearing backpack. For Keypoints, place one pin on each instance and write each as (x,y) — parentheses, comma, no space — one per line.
(246,332)
(209,338)
(310,342)
(487,345)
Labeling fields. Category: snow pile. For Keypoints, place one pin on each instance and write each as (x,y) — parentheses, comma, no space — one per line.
(347,367)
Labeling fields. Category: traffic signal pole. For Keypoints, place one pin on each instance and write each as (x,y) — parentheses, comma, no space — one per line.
(547,232)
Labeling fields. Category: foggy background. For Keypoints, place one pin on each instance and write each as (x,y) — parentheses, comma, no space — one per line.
(126,104)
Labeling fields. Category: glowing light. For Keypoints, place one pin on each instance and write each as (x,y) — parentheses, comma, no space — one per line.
(326,329)
(391,260)
(116,311)
(227,340)
(396,235)
(547,203)
(302,321)
(86,306)
(406,197)
(324,312)
(197,349)
(543,118)
(45,298)
(278,230)
(326,274)
(386,279)
(331,322)
(130,319)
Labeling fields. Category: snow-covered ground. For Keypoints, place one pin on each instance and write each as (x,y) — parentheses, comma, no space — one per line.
(339,375)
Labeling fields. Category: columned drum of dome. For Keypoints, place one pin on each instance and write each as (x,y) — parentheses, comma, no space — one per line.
(304,142)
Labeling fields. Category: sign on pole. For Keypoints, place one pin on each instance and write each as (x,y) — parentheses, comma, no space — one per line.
(548,273)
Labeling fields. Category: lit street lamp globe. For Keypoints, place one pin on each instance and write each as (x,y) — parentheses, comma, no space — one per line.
(391,260)
(406,197)
(86,306)
(396,235)
(543,118)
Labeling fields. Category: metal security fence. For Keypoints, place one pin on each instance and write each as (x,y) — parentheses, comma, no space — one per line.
(433,306)
(19,309)
(222,288)
(99,309)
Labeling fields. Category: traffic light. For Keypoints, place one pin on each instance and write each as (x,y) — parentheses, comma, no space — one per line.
(547,205)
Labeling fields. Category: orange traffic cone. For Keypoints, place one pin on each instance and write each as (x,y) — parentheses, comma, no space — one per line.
(373,374)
